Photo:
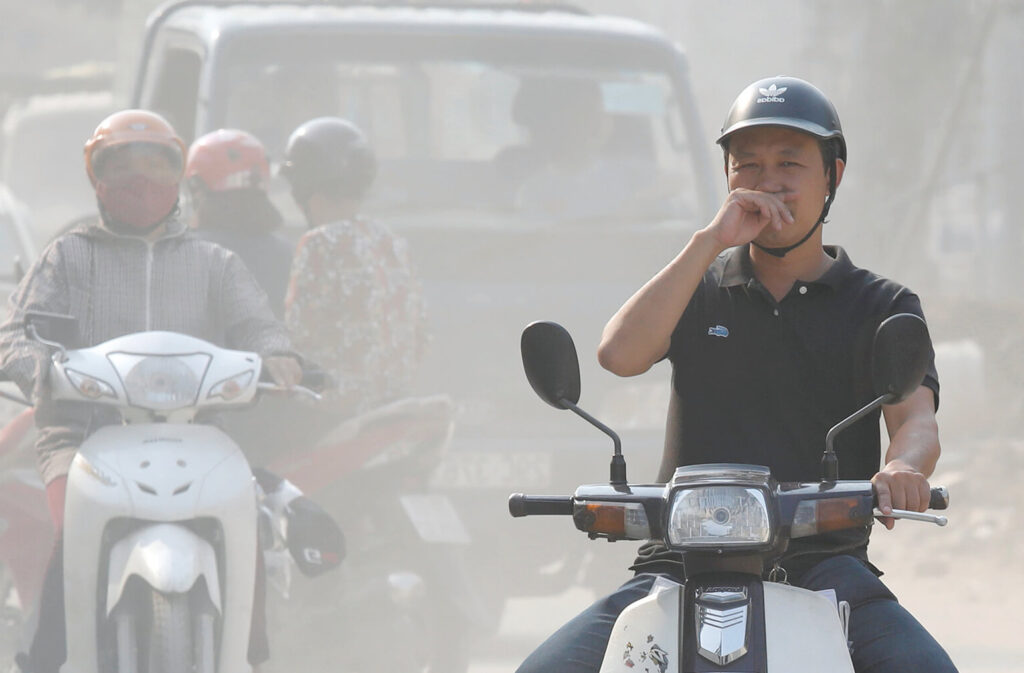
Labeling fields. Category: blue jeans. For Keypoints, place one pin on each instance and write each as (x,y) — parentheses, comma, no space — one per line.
(886,638)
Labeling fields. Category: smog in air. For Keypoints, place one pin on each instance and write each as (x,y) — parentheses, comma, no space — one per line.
(269,266)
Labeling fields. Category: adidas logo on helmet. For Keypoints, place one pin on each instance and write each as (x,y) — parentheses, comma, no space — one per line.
(772,94)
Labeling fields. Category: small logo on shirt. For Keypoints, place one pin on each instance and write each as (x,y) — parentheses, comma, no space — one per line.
(772,94)
(718,331)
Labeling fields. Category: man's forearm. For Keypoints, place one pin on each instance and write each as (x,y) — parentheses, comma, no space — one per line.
(638,335)
(916,445)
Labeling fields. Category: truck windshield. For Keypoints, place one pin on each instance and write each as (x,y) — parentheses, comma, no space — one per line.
(528,127)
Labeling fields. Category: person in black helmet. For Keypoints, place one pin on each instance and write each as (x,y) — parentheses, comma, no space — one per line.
(354,303)
(769,334)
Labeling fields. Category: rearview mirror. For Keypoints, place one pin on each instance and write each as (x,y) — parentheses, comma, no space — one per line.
(551,363)
(902,352)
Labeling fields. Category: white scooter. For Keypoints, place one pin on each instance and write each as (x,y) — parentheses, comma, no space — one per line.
(160,529)
(730,522)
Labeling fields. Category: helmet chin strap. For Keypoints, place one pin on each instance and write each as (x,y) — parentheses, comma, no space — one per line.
(781,252)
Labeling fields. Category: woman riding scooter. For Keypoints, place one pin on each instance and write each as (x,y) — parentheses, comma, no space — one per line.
(133,269)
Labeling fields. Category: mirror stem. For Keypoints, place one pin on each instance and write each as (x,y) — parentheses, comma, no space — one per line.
(830,462)
(34,333)
(618,467)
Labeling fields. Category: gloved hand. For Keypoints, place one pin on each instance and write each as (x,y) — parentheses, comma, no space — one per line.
(314,538)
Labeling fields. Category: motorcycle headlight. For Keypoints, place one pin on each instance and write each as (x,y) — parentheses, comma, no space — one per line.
(719,516)
(161,382)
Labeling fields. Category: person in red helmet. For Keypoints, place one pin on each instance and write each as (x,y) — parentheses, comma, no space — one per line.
(134,268)
(227,174)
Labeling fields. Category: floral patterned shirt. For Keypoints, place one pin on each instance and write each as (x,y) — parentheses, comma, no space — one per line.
(355,308)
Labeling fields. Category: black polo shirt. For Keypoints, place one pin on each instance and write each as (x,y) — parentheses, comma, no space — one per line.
(760,381)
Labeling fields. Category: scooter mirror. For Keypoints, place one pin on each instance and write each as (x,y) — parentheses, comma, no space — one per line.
(551,364)
(900,358)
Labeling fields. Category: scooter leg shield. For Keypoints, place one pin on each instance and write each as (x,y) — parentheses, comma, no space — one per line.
(803,633)
(801,629)
(647,630)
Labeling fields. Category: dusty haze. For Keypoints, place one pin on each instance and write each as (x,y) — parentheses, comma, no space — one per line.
(930,95)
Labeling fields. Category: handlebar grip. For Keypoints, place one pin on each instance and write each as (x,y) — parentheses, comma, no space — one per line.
(533,505)
(939,498)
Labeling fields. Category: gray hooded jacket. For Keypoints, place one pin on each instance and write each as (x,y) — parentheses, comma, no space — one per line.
(116,285)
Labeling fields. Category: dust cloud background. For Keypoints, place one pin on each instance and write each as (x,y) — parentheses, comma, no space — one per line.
(931,94)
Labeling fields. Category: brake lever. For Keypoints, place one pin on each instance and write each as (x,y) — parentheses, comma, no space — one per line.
(936,519)
(274,388)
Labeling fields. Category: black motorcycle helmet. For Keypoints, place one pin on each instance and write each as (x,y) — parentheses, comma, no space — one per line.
(792,103)
(330,155)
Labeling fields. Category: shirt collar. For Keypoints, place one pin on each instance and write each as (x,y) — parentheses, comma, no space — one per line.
(739,270)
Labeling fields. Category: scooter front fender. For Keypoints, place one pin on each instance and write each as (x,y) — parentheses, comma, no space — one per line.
(168,557)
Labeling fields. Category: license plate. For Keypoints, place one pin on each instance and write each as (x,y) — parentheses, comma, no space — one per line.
(518,471)
(435,519)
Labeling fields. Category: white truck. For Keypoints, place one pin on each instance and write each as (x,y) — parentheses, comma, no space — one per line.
(539,160)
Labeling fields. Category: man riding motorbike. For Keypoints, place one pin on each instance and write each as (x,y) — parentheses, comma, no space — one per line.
(136,268)
(769,335)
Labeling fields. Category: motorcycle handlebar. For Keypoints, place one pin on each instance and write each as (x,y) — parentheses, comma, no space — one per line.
(939,498)
(520,505)
(533,505)
(299,390)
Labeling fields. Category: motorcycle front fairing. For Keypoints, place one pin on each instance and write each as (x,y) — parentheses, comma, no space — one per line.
(158,499)
(727,521)
(156,376)
(728,622)
(126,479)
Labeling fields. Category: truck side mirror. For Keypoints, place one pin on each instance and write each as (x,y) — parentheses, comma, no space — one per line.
(902,351)
(551,363)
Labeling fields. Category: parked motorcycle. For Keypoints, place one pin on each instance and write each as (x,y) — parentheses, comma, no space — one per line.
(730,522)
(160,530)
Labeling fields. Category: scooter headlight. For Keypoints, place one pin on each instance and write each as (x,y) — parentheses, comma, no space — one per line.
(161,382)
(719,516)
